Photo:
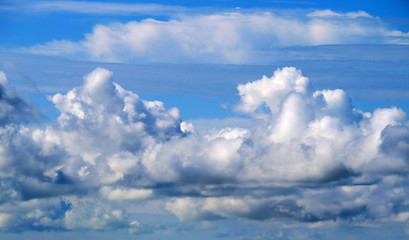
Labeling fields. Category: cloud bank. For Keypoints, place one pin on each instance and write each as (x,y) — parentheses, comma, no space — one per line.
(231,37)
(309,157)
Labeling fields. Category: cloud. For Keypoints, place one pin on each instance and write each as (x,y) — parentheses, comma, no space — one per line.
(13,108)
(305,147)
(328,13)
(308,157)
(122,194)
(84,7)
(41,165)
(231,37)
(271,91)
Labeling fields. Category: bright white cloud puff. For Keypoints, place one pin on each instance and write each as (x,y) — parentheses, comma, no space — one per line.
(236,37)
(310,157)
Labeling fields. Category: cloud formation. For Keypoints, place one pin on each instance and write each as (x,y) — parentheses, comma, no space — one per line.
(231,37)
(309,157)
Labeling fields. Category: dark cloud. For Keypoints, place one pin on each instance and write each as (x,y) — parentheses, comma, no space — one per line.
(13,109)
(395,141)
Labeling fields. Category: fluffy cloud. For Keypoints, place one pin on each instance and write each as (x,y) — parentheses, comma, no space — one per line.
(309,156)
(96,141)
(235,37)
(317,158)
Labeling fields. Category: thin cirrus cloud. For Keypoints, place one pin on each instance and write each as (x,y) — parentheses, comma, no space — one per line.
(309,157)
(231,37)
(83,7)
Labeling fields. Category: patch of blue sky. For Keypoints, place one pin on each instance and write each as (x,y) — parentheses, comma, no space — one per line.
(194,106)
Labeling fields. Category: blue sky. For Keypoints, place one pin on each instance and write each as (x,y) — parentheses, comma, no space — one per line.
(204,119)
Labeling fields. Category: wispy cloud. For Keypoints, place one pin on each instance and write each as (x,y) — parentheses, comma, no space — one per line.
(92,7)
(120,8)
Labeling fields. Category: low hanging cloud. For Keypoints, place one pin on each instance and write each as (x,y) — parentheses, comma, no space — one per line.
(231,37)
(308,157)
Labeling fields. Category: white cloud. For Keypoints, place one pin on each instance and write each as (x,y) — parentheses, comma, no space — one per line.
(101,108)
(271,91)
(329,13)
(190,209)
(320,127)
(233,37)
(121,194)
(87,214)
(314,138)
(308,155)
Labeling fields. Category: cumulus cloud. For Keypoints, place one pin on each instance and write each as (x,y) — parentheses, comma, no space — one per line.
(315,156)
(96,141)
(232,37)
(309,156)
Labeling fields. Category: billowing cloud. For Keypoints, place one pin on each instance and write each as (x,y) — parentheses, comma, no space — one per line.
(96,141)
(314,156)
(231,37)
(309,157)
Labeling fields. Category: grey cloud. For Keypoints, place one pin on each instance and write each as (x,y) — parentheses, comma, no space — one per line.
(395,141)
(13,109)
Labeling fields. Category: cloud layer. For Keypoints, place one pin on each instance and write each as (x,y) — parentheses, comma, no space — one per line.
(231,37)
(309,157)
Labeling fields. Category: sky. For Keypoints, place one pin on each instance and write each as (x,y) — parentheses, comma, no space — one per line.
(204,119)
